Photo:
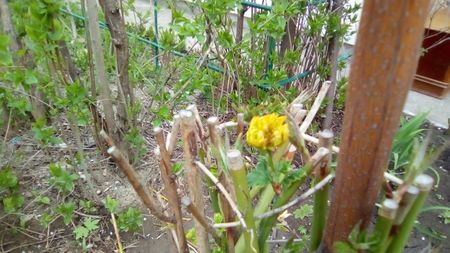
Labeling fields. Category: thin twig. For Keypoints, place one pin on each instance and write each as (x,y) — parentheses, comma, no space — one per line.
(315,107)
(116,232)
(335,149)
(299,199)
(223,191)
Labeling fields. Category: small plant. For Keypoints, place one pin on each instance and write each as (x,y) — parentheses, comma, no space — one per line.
(87,206)
(82,232)
(61,179)
(9,187)
(66,211)
(303,211)
(130,220)
(445,216)
(43,133)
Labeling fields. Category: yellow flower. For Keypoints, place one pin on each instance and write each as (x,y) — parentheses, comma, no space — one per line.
(267,132)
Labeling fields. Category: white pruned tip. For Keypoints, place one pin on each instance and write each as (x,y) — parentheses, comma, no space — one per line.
(213,120)
(111,150)
(157,152)
(327,134)
(296,106)
(156,130)
(390,204)
(413,190)
(186,201)
(235,159)
(424,182)
(185,114)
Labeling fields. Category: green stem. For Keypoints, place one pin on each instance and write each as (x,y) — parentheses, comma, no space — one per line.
(266,224)
(263,205)
(319,216)
(386,216)
(239,176)
(424,183)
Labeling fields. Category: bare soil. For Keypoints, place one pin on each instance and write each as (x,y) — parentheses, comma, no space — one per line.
(30,162)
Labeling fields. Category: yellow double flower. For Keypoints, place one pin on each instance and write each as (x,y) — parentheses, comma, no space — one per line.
(267,132)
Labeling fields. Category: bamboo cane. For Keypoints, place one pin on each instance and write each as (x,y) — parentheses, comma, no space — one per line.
(424,183)
(321,196)
(194,181)
(239,176)
(386,216)
(170,187)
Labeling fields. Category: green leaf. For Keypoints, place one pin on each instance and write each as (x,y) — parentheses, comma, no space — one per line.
(342,247)
(8,181)
(13,203)
(191,236)
(81,232)
(45,219)
(260,176)
(66,211)
(88,206)
(90,224)
(131,220)
(111,204)
(62,179)
(304,211)
(30,78)
(43,200)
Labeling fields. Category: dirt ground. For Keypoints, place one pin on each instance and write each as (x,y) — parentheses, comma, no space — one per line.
(30,163)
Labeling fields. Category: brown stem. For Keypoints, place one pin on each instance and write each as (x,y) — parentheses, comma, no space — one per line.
(193,177)
(128,170)
(171,188)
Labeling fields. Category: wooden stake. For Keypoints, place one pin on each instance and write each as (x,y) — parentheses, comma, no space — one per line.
(194,181)
(383,66)
(171,188)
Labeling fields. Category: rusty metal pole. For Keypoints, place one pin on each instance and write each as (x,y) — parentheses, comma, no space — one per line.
(384,63)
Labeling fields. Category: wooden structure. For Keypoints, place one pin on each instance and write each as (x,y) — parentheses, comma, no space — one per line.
(433,72)
(382,71)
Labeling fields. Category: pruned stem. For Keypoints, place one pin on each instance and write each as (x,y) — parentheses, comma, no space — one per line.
(386,216)
(170,188)
(424,183)
(172,137)
(190,137)
(186,201)
(267,224)
(224,193)
(239,176)
(321,196)
(128,170)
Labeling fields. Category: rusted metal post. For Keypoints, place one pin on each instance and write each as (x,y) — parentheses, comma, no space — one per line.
(385,60)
